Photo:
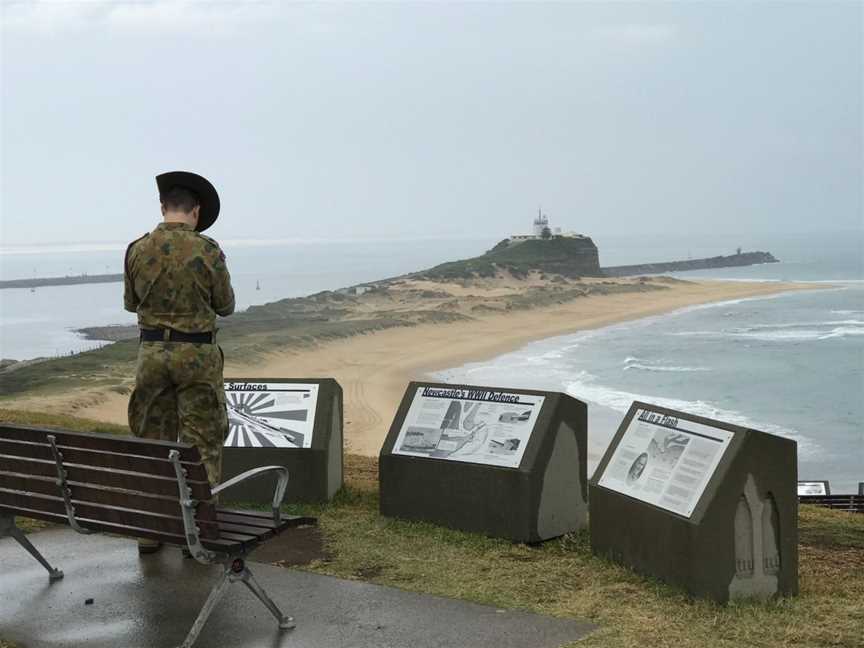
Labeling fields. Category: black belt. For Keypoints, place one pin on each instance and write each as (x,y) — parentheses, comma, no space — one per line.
(170,335)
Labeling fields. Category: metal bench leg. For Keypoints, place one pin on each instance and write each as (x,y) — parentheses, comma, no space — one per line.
(215,594)
(234,572)
(246,577)
(8,528)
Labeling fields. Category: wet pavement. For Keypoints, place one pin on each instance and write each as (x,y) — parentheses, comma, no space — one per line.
(151,602)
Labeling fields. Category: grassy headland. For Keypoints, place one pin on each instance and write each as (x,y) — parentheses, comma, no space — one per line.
(568,257)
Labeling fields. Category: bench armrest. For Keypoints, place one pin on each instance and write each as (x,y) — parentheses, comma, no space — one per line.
(278,495)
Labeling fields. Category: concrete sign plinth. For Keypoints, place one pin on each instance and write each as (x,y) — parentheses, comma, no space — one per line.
(508,463)
(291,422)
(705,505)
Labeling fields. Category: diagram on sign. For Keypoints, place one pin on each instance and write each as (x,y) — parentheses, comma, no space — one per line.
(664,451)
(665,461)
(479,426)
(270,415)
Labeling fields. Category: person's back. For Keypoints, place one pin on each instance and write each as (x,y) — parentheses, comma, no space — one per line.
(180,280)
(177,282)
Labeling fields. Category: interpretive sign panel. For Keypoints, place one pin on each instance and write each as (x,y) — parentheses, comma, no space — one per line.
(270,415)
(703,504)
(291,422)
(509,463)
(485,426)
(814,488)
(665,461)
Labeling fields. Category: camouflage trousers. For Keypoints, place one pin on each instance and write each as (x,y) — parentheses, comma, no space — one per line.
(180,396)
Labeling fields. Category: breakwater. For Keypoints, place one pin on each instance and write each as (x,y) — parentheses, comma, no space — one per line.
(711,263)
(38,282)
(735,260)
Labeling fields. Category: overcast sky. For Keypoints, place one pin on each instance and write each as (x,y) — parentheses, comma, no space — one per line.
(413,120)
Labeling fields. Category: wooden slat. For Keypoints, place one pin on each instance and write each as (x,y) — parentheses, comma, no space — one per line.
(104,477)
(104,442)
(110,514)
(226,510)
(218,544)
(262,519)
(161,504)
(256,532)
(243,538)
(99,459)
(265,515)
(249,520)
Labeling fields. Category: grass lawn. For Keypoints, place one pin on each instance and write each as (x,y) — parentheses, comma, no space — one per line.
(562,578)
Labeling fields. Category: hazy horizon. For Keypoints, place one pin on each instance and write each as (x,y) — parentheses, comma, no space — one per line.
(408,121)
(117,244)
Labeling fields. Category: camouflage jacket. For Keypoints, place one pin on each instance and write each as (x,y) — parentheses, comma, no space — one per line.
(177,278)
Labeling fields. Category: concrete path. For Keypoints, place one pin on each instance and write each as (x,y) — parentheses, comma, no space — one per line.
(151,602)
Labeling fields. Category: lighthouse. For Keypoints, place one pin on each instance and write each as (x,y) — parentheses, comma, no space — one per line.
(540,223)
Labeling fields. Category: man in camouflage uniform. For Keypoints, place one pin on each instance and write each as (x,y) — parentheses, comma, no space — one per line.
(177,281)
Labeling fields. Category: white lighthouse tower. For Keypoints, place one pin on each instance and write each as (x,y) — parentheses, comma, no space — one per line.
(540,223)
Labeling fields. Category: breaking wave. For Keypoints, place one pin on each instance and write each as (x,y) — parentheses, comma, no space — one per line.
(630,363)
(585,388)
(797,332)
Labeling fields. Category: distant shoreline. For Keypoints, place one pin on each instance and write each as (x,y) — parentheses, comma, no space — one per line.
(61,281)
(738,260)
(418,327)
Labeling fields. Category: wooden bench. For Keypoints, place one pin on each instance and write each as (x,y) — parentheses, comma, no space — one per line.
(137,488)
(849,503)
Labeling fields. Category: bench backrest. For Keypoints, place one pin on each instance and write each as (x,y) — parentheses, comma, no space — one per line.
(118,484)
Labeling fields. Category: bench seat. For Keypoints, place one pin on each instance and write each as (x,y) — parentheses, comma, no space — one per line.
(240,531)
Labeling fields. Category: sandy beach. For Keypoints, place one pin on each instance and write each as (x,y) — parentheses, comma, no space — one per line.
(374,368)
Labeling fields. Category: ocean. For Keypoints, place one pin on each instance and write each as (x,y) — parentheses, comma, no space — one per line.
(791,365)
(42,323)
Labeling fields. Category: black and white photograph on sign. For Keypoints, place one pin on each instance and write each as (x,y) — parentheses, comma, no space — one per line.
(665,461)
(270,415)
(472,425)
(812,488)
